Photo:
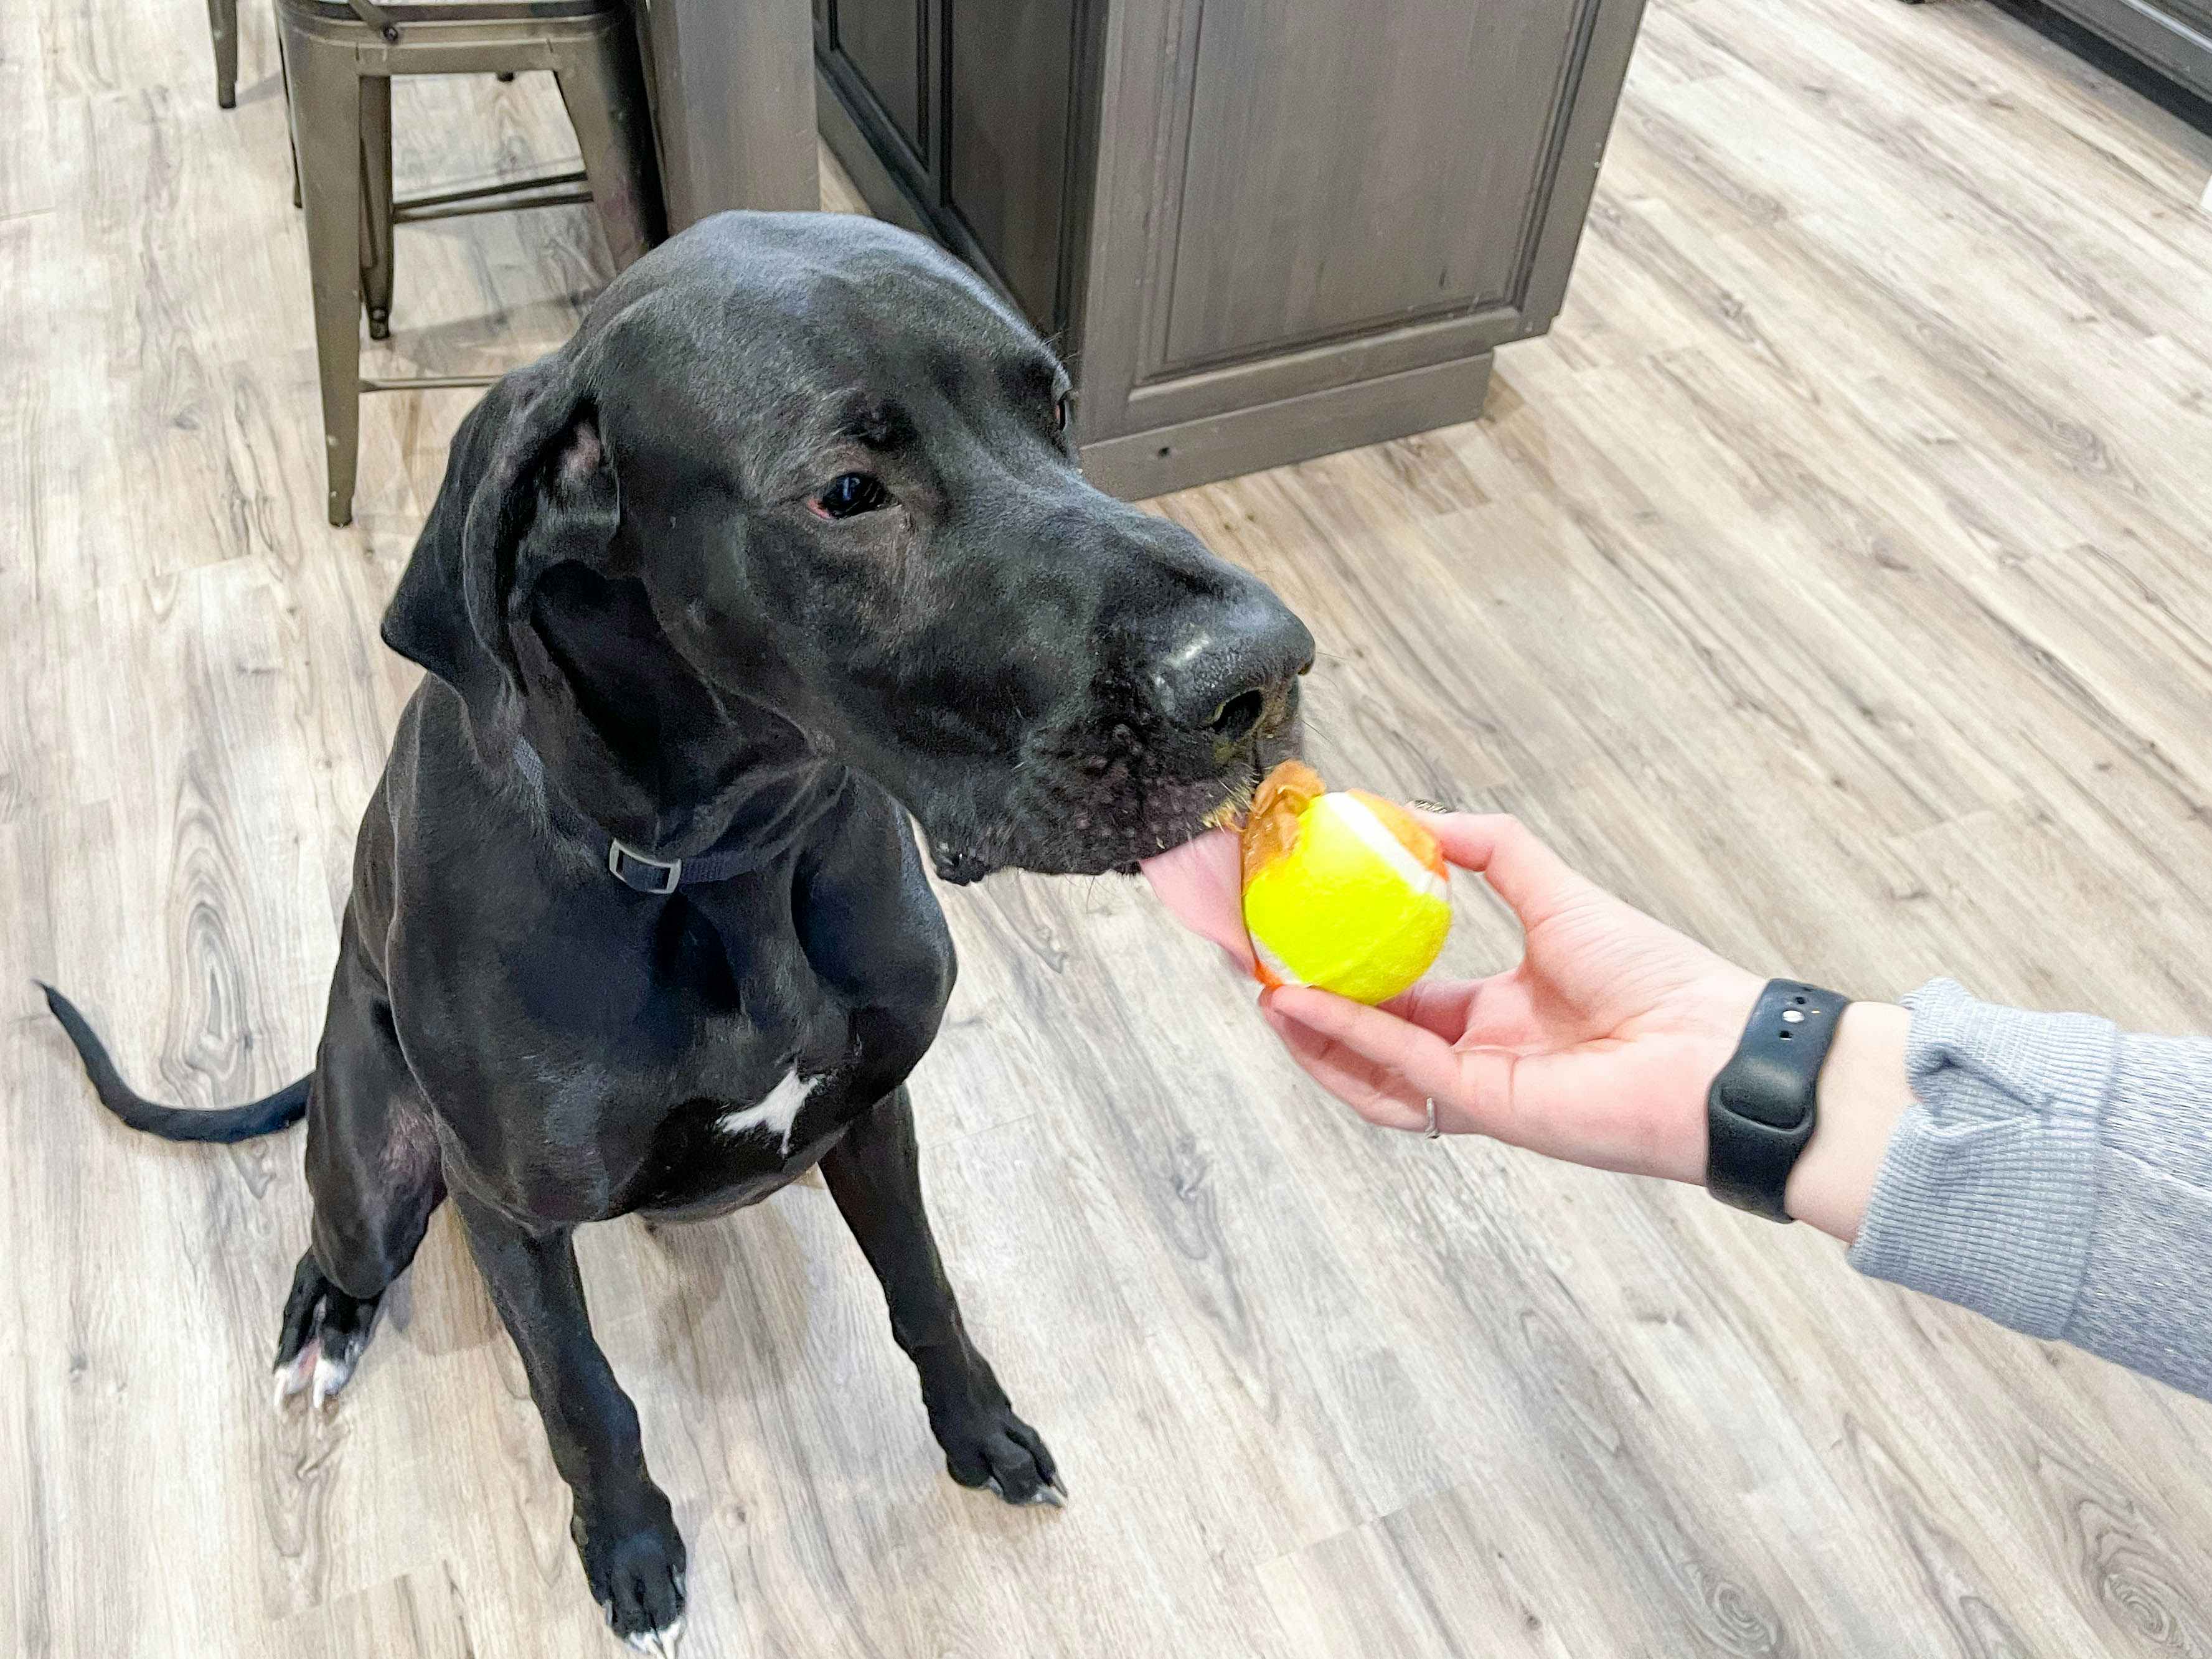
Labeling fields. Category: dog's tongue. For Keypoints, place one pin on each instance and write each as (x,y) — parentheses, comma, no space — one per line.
(1202,883)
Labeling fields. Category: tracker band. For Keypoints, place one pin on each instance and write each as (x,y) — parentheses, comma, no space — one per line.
(1760,1112)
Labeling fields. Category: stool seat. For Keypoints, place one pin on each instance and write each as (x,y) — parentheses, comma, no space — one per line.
(339,59)
(448,11)
(500,11)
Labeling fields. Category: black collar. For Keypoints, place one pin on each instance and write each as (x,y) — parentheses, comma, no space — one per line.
(734,855)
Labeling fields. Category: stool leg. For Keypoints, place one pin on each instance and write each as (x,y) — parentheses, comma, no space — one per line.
(603,85)
(284,77)
(376,202)
(222,25)
(326,136)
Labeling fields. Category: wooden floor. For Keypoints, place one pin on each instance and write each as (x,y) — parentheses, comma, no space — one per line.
(1833,582)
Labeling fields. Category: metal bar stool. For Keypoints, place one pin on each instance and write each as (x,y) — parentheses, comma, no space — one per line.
(340,59)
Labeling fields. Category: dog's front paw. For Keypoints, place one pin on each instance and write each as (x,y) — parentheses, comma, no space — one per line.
(636,1568)
(992,1447)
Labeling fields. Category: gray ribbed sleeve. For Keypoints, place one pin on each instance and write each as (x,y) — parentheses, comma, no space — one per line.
(2056,1174)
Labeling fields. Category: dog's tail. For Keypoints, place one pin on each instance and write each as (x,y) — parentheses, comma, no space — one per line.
(266,1116)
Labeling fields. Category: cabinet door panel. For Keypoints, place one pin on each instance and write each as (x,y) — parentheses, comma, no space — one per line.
(884,42)
(1010,71)
(1322,141)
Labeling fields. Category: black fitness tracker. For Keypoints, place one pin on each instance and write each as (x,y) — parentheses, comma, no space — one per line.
(1759,1111)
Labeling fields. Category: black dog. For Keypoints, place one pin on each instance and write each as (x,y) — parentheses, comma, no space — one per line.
(786,544)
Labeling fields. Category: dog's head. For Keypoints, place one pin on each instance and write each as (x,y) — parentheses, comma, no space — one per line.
(801,489)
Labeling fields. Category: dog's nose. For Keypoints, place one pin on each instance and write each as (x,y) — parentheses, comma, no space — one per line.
(1228,669)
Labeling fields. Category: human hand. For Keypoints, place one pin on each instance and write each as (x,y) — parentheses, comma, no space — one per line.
(1598,1047)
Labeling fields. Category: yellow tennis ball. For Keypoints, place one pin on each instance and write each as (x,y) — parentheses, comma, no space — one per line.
(1342,890)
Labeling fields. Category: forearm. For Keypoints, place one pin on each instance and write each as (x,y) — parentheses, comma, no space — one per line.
(2045,1170)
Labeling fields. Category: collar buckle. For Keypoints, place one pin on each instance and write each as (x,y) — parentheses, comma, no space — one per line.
(633,870)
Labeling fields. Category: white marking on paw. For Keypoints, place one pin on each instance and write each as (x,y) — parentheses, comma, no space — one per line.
(330,1376)
(776,1114)
(661,1643)
(290,1378)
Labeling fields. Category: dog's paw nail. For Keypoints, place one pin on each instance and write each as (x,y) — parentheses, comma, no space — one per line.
(660,1643)
(292,1374)
(1051,1494)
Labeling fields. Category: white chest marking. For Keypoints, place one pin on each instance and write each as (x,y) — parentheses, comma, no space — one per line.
(776,1114)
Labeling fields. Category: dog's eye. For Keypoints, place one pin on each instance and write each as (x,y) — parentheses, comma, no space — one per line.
(850,494)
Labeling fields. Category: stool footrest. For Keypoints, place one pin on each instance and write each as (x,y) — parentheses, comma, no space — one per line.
(428,382)
(505,196)
(405,215)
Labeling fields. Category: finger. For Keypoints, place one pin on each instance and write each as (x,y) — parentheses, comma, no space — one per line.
(1493,1012)
(1466,838)
(1382,1099)
(1383,1096)
(1504,1014)
(1535,882)
(1441,1006)
(1201,884)
(1427,1063)
(1474,1088)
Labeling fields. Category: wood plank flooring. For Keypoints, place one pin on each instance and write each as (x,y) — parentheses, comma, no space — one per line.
(1833,582)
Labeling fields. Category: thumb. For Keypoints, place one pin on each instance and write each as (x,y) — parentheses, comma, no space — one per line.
(1535,881)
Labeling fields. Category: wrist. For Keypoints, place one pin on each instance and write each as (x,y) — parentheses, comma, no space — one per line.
(1722,1005)
(1861,1096)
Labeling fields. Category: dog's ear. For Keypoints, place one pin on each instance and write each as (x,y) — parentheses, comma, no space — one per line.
(525,597)
(529,485)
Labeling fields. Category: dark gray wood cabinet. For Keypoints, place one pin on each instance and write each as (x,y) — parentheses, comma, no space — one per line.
(967,106)
(2173,36)
(731,86)
(1258,229)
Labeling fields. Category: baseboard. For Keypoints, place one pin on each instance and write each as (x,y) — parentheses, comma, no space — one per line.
(2169,43)
(1143,463)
